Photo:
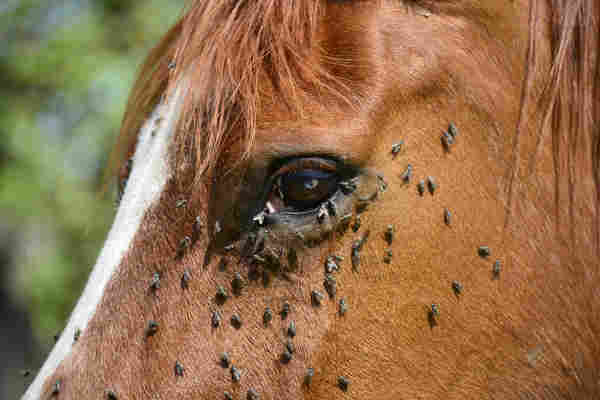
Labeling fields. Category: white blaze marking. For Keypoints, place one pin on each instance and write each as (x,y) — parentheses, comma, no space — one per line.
(144,186)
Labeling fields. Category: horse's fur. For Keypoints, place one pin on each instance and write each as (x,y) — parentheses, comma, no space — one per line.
(270,79)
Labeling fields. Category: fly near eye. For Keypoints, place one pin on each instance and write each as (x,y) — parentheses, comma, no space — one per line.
(306,188)
(312,184)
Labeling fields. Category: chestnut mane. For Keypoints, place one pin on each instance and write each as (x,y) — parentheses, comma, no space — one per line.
(570,101)
(226,47)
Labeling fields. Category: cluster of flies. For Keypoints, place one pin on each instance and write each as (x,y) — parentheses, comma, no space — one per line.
(448,139)
(237,285)
(332,265)
(221,296)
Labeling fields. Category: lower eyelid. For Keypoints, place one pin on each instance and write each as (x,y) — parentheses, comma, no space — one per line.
(308,218)
(301,228)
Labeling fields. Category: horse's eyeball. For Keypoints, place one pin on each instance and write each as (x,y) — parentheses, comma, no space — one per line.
(306,188)
(304,184)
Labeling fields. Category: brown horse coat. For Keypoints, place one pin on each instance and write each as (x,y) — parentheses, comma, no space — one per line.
(481,281)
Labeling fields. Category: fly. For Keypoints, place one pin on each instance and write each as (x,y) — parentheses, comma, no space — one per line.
(285,310)
(421,187)
(343,383)
(236,321)
(484,251)
(286,356)
(183,246)
(76,335)
(56,387)
(331,265)
(185,279)
(237,284)
(432,315)
(431,185)
(267,316)
(496,269)
(224,361)
(322,213)
(447,217)
(348,187)
(452,131)
(343,307)
(289,345)
(331,208)
(397,147)
(407,174)
(215,319)
(457,287)
(235,374)
(152,328)
(291,330)
(330,285)
(387,258)
(356,225)
(316,298)
(221,296)
(155,282)
(447,141)
(389,234)
(178,369)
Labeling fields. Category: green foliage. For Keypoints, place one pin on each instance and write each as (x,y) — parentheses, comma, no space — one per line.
(65,71)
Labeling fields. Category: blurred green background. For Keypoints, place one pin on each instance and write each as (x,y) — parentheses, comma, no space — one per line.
(66,67)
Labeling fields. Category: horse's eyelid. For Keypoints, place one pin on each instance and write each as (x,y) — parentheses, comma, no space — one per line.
(345,165)
(307,163)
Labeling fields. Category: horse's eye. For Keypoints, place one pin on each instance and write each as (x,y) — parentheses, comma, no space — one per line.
(304,184)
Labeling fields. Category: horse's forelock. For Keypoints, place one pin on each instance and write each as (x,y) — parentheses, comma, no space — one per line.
(225,48)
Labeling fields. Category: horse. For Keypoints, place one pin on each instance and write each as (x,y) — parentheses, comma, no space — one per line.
(327,199)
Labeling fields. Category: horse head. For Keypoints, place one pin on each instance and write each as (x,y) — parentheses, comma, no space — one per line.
(351,199)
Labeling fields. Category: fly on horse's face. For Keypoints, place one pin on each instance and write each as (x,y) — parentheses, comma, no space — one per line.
(261,132)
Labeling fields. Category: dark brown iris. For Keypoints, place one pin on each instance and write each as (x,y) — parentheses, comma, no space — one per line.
(307,188)
(303,184)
